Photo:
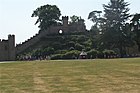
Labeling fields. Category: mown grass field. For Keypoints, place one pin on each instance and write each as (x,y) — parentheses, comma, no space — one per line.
(71,76)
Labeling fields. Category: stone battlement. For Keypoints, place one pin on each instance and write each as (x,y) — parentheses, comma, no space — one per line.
(65,28)
(7,48)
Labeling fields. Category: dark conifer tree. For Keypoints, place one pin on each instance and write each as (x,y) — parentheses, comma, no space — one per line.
(135,27)
(116,34)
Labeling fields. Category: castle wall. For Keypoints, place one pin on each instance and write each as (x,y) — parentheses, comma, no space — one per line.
(7,49)
(66,28)
(23,46)
(3,50)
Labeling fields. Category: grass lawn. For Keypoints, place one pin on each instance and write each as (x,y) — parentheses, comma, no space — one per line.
(71,76)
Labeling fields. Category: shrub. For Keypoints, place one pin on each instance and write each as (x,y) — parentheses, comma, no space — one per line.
(56,56)
(70,44)
(92,53)
(71,54)
(79,47)
(48,51)
(108,53)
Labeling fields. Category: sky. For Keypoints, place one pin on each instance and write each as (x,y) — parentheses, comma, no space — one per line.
(15,15)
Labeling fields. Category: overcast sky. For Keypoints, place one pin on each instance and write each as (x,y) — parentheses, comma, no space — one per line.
(15,15)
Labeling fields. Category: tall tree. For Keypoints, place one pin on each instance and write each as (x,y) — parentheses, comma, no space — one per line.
(47,15)
(95,31)
(94,16)
(135,27)
(115,33)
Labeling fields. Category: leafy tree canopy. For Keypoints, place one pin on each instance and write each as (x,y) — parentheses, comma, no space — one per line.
(94,16)
(76,19)
(47,15)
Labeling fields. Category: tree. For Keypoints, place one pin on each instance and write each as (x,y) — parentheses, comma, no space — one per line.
(135,27)
(92,53)
(76,19)
(47,15)
(95,31)
(115,34)
(94,16)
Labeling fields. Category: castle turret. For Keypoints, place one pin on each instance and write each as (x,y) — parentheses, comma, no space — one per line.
(11,46)
(65,20)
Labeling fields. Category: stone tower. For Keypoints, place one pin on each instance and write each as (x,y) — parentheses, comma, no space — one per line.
(65,20)
(11,44)
(7,49)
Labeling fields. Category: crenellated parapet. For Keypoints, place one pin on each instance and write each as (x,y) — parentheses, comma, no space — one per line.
(24,45)
(65,28)
(28,40)
(7,49)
